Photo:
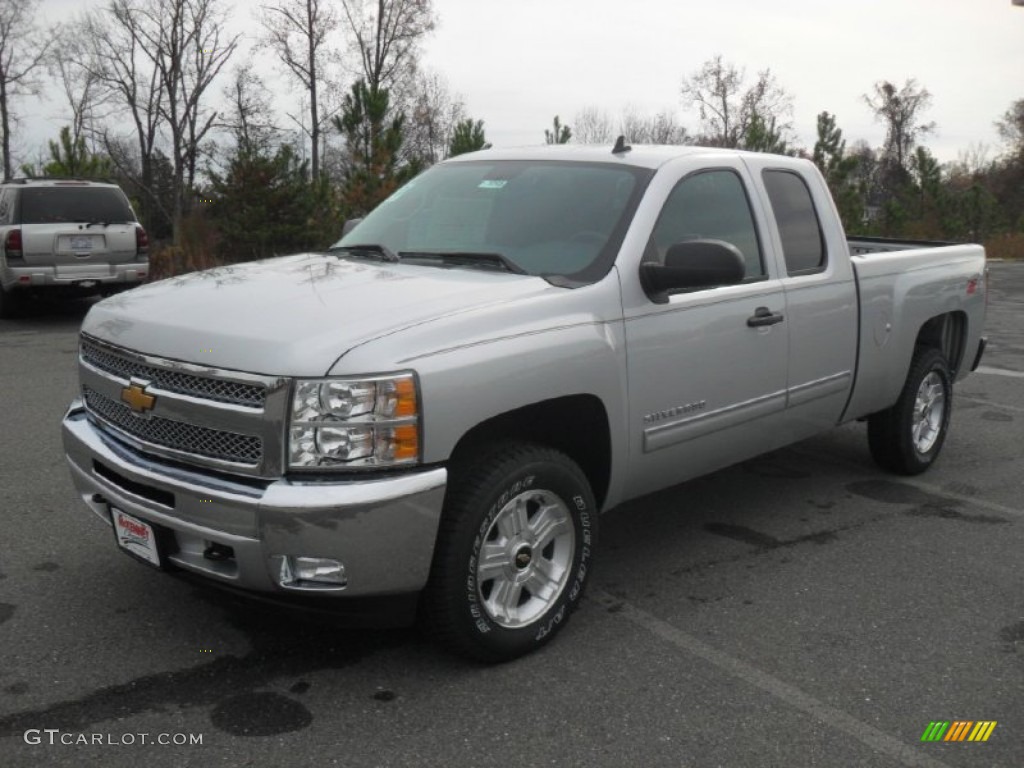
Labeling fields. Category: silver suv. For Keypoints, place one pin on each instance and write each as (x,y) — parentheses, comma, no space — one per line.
(69,235)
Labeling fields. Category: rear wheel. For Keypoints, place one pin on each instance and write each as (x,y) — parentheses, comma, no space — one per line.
(10,304)
(908,437)
(513,552)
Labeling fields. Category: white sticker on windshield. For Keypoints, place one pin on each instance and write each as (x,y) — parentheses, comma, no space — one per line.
(492,183)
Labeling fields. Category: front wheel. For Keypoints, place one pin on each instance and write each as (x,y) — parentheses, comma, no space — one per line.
(513,552)
(907,438)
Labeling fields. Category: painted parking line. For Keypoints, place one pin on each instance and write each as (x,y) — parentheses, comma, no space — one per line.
(972,501)
(998,371)
(982,401)
(866,734)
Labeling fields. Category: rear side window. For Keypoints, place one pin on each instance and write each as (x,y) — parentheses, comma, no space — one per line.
(803,244)
(46,205)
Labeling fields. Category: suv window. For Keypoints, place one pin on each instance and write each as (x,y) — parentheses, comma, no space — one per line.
(803,244)
(44,205)
(710,205)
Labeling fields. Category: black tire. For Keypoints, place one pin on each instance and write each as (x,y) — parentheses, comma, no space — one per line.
(10,304)
(891,433)
(510,485)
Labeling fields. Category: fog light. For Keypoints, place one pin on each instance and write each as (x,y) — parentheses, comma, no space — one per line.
(311,573)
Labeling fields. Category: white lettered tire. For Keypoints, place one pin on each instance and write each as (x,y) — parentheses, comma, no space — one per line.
(513,553)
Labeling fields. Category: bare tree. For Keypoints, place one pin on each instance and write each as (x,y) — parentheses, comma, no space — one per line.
(1011,129)
(298,31)
(662,128)
(899,109)
(186,43)
(387,34)
(23,51)
(129,85)
(249,114)
(728,111)
(592,125)
(432,115)
(80,83)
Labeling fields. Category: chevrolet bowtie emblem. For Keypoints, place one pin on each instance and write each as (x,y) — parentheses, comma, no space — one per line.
(137,399)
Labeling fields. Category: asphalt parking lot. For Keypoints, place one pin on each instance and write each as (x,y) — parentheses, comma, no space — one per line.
(801,609)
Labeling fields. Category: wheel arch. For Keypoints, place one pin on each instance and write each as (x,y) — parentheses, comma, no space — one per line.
(947,333)
(577,425)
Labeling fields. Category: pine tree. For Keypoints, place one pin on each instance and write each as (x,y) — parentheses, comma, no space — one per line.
(72,159)
(559,134)
(468,136)
(839,170)
(373,137)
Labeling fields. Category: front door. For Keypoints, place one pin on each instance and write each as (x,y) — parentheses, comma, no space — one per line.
(705,377)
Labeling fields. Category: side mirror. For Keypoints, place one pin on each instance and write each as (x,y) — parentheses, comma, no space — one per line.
(350,224)
(693,264)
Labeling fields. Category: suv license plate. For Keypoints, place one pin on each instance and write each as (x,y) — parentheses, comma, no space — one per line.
(135,537)
(81,243)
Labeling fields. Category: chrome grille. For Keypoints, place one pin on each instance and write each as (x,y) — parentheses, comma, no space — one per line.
(218,390)
(176,435)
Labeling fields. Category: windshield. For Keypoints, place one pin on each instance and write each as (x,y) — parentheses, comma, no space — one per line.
(41,205)
(545,218)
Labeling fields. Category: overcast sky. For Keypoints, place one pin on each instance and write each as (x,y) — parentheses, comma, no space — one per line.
(517,63)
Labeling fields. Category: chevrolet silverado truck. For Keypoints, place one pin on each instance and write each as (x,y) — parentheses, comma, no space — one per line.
(427,419)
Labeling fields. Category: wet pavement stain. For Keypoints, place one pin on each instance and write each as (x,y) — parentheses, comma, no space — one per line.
(996,416)
(775,470)
(6,611)
(285,644)
(16,689)
(385,695)
(964,489)
(1014,635)
(47,567)
(889,492)
(948,513)
(260,714)
(923,504)
(744,534)
(762,540)
(300,687)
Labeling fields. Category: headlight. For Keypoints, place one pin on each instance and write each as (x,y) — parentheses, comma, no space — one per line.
(354,422)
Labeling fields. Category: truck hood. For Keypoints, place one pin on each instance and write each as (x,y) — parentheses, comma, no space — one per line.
(293,315)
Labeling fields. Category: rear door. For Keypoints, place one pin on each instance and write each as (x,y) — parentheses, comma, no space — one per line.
(704,383)
(821,297)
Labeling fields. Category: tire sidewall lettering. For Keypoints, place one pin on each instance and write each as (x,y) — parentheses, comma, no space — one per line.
(571,592)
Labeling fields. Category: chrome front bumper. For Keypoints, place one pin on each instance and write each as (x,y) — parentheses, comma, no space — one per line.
(382,531)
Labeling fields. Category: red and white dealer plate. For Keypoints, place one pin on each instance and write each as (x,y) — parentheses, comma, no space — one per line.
(135,537)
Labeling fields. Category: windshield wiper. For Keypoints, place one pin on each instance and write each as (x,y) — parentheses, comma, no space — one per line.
(465,259)
(105,223)
(373,250)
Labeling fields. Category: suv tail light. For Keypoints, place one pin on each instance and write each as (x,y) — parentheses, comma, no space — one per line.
(12,244)
(141,242)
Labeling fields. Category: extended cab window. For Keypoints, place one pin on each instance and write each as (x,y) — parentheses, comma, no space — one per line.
(711,205)
(803,244)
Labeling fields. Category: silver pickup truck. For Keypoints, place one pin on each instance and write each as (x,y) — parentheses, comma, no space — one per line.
(427,419)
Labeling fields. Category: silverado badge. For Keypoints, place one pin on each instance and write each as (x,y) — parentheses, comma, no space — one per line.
(137,399)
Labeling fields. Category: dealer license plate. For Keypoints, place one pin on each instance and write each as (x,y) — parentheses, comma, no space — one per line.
(135,537)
